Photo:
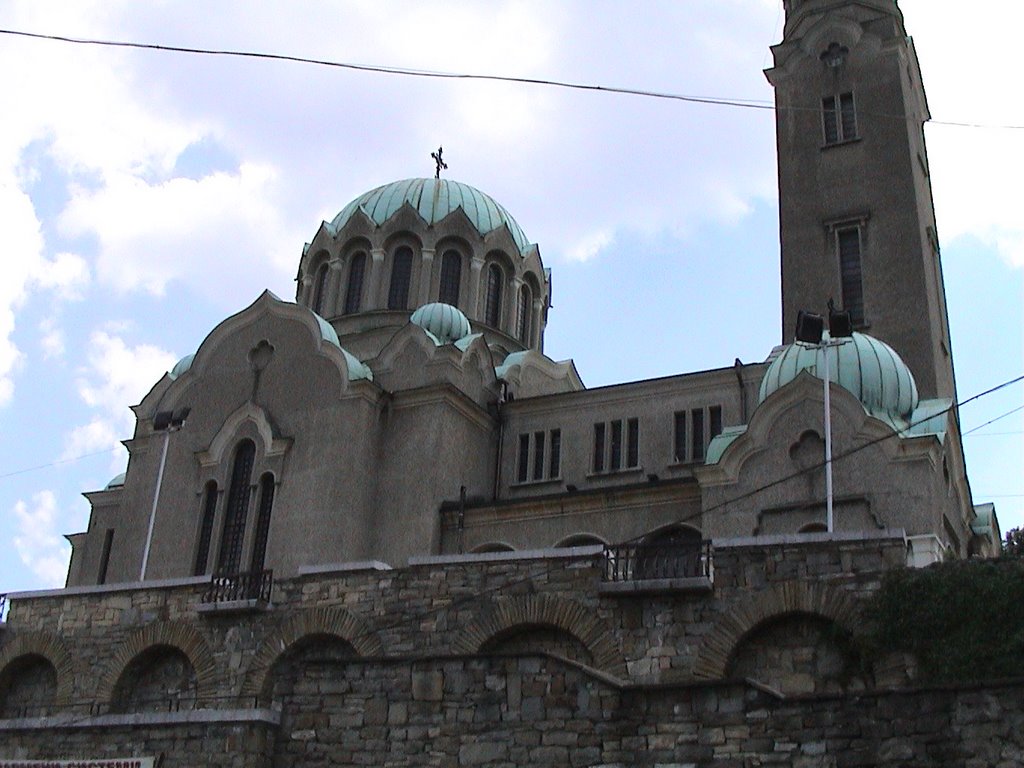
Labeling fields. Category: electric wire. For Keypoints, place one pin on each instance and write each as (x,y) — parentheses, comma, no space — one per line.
(759,104)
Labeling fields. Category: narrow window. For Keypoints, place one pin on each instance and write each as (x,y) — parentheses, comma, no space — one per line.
(320,289)
(206,529)
(697,434)
(633,443)
(524,458)
(555,465)
(259,547)
(237,510)
(354,292)
(523,316)
(599,447)
(839,118)
(495,280)
(714,421)
(680,436)
(848,243)
(401,276)
(847,117)
(615,461)
(108,541)
(451,276)
(538,455)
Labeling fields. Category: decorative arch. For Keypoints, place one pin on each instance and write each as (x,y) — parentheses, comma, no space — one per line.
(334,621)
(581,540)
(49,647)
(176,634)
(268,445)
(492,546)
(773,602)
(551,611)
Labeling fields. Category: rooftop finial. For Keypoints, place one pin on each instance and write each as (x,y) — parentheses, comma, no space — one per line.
(438,162)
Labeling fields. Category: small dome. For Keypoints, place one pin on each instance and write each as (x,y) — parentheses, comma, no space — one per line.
(865,366)
(434,199)
(443,321)
(182,365)
(116,482)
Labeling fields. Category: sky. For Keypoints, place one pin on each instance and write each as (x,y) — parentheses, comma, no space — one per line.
(147,195)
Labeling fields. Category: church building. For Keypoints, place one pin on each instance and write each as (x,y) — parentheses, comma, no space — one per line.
(374,523)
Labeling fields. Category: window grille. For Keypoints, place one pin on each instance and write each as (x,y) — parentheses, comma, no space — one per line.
(401,277)
(451,276)
(354,293)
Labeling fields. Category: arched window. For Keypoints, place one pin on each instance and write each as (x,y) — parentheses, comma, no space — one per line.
(492,306)
(320,289)
(451,276)
(354,293)
(523,315)
(401,276)
(237,509)
(206,528)
(259,547)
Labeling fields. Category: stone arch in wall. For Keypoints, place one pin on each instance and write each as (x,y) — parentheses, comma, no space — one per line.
(177,635)
(160,679)
(764,605)
(28,648)
(315,622)
(799,653)
(551,613)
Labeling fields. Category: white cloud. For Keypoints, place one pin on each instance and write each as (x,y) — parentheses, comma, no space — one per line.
(206,231)
(52,339)
(116,377)
(67,274)
(37,542)
(589,246)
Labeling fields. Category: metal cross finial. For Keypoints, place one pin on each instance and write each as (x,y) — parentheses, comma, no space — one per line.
(438,162)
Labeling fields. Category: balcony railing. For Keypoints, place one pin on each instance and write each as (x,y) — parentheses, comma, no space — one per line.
(229,588)
(646,562)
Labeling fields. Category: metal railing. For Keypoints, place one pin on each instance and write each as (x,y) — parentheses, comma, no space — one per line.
(642,562)
(251,585)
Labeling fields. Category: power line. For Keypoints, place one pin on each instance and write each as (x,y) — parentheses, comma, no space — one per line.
(997,418)
(759,104)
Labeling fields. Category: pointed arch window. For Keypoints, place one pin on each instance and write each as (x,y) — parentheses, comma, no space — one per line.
(259,547)
(401,277)
(237,510)
(451,276)
(354,292)
(523,315)
(206,528)
(320,289)
(495,281)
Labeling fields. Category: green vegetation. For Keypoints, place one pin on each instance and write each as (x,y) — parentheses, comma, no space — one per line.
(961,620)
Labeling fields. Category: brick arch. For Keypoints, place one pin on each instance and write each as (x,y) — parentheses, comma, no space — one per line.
(773,602)
(334,621)
(176,634)
(51,648)
(546,610)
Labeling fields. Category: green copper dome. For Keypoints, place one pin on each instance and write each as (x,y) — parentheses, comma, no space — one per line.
(865,366)
(442,321)
(433,199)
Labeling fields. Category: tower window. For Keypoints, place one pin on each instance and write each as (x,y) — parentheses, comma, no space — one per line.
(492,311)
(401,276)
(599,447)
(523,316)
(697,434)
(451,276)
(839,118)
(694,431)
(524,458)
(259,547)
(848,247)
(354,293)
(320,289)
(108,541)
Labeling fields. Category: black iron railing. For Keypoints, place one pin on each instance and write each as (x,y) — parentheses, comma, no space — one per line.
(252,585)
(641,562)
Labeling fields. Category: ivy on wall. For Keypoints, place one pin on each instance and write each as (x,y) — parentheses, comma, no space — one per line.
(962,620)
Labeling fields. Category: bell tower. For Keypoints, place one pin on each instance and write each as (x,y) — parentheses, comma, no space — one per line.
(856,218)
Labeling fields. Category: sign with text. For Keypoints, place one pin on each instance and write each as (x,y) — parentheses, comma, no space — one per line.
(115,762)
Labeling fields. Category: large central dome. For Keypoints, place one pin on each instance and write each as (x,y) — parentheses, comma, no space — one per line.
(434,199)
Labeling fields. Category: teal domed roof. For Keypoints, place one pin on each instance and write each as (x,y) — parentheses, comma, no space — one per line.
(433,199)
(443,321)
(865,366)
